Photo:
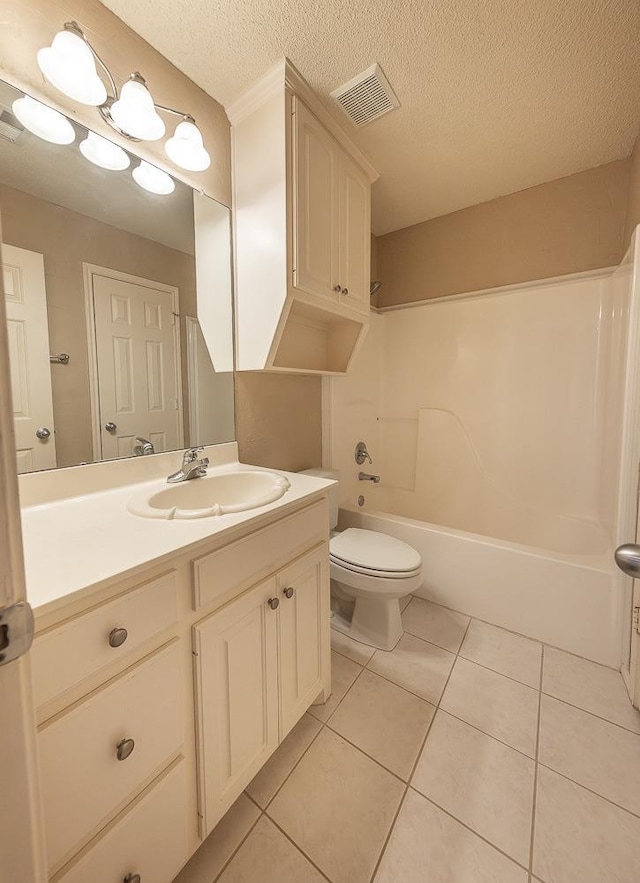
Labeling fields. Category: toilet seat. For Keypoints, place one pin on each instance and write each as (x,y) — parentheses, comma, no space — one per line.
(374,554)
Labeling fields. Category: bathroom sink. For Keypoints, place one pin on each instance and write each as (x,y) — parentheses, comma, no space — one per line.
(210,495)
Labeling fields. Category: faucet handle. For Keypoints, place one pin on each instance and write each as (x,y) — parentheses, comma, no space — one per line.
(191,454)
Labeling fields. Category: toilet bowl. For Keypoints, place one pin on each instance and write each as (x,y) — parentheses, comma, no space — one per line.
(370,573)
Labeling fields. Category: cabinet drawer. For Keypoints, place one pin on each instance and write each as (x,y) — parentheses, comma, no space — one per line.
(83,781)
(66,655)
(219,576)
(150,840)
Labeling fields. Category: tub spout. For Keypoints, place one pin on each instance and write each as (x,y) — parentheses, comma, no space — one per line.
(364,476)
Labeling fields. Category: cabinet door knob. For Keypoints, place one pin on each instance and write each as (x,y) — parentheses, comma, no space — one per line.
(345,291)
(337,288)
(124,749)
(273,603)
(132,878)
(288,592)
(117,637)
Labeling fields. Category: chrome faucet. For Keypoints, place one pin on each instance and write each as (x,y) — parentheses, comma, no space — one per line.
(143,447)
(192,466)
(364,476)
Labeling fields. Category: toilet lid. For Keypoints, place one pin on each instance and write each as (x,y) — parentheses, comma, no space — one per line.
(374,551)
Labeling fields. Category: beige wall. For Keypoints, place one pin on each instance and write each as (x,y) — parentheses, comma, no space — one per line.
(633,202)
(26,26)
(67,239)
(565,226)
(279,420)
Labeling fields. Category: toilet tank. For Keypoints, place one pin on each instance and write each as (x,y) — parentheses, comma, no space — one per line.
(334,492)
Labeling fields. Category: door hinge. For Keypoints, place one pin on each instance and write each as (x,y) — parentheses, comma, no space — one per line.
(636,619)
(16,631)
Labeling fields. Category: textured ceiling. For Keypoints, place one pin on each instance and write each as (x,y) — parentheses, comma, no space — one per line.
(497,95)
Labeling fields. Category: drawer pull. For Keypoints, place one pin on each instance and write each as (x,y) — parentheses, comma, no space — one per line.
(273,603)
(132,878)
(117,637)
(288,592)
(124,749)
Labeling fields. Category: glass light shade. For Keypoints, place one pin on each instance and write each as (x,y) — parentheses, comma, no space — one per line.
(186,149)
(43,121)
(152,179)
(69,65)
(104,153)
(135,113)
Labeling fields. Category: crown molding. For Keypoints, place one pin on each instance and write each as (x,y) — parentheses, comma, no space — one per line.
(285,76)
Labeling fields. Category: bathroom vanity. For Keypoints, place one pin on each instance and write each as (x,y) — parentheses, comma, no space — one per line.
(166,675)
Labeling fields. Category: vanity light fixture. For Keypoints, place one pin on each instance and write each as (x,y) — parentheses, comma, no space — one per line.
(104,153)
(152,179)
(43,121)
(70,65)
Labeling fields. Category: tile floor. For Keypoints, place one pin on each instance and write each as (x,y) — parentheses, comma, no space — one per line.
(466,755)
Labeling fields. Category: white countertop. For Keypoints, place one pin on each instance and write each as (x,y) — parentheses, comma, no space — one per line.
(83,541)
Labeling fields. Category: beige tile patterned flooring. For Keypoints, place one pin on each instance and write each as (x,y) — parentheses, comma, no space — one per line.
(466,755)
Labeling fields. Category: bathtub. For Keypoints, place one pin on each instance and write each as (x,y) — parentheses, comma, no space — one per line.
(571,601)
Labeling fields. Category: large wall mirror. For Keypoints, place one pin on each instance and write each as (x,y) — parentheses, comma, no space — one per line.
(119,305)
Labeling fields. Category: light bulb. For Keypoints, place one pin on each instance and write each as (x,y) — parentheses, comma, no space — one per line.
(186,149)
(43,121)
(104,153)
(135,114)
(69,65)
(152,179)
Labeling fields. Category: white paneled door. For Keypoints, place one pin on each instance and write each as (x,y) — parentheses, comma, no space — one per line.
(137,389)
(28,345)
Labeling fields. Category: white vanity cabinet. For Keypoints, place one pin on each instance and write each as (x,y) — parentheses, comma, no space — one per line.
(260,662)
(160,696)
(302,230)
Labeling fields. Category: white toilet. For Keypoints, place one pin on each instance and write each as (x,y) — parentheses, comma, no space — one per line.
(370,572)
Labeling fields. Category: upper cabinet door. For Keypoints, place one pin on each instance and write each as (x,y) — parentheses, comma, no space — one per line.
(355,235)
(315,209)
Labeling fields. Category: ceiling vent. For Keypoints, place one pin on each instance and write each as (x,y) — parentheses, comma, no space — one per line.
(10,128)
(366,97)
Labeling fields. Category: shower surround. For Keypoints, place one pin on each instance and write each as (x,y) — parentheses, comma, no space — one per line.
(494,420)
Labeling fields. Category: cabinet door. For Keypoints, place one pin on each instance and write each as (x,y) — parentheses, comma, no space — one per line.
(303,589)
(355,236)
(315,209)
(236,698)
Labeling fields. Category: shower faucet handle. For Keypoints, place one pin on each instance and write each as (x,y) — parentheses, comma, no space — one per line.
(362,454)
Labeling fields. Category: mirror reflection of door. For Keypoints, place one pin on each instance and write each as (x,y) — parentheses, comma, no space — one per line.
(137,389)
(28,333)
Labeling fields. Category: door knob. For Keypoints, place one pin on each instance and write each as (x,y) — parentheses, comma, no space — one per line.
(337,288)
(117,637)
(43,433)
(288,592)
(132,878)
(273,603)
(628,559)
(110,427)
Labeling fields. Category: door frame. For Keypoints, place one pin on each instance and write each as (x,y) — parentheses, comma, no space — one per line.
(629,476)
(21,819)
(88,272)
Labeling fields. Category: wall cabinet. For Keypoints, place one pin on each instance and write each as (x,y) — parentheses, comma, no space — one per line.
(259,664)
(171,692)
(302,225)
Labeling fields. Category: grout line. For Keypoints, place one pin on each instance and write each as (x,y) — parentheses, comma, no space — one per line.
(471,830)
(488,735)
(298,848)
(535,771)
(592,713)
(413,768)
(501,673)
(369,756)
(590,790)
(239,846)
(281,785)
